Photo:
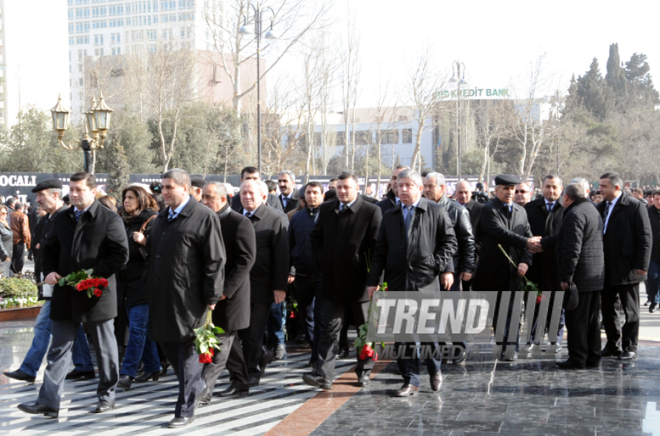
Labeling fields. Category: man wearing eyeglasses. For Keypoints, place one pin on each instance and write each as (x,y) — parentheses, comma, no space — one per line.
(523,194)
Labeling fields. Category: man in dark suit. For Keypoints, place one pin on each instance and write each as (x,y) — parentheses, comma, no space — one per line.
(288,197)
(22,237)
(410,234)
(545,216)
(463,196)
(232,312)
(391,198)
(504,222)
(184,274)
(653,282)
(627,245)
(307,277)
(87,236)
(269,275)
(343,241)
(580,264)
(251,173)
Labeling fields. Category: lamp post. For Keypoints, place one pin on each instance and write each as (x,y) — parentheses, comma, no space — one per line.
(97,123)
(459,79)
(257,12)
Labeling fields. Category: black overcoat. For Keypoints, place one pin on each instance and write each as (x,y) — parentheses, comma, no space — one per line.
(97,241)
(543,270)
(415,261)
(233,313)
(184,271)
(129,278)
(271,268)
(627,241)
(511,230)
(342,243)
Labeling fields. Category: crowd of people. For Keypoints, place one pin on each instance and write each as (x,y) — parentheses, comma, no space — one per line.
(189,247)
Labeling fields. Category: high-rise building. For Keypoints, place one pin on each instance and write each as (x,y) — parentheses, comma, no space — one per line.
(120,27)
(32,57)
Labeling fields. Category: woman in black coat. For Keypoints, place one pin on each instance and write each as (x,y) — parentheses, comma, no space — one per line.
(139,209)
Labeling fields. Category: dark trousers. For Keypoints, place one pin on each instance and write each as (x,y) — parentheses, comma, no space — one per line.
(584,330)
(332,316)
(409,361)
(17,257)
(308,290)
(230,356)
(621,335)
(59,359)
(562,323)
(188,370)
(253,337)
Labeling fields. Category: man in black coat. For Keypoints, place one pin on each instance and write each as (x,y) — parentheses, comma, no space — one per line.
(391,198)
(307,277)
(545,217)
(232,312)
(184,274)
(269,275)
(343,241)
(251,173)
(288,197)
(463,196)
(504,223)
(411,234)
(87,236)
(653,282)
(581,264)
(627,245)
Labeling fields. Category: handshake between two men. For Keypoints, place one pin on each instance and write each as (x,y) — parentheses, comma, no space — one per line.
(534,244)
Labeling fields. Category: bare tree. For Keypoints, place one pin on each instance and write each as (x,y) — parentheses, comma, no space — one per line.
(423,84)
(351,68)
(493,121)
(291,20)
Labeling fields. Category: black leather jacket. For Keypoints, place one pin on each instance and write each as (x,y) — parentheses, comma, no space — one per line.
(464,256)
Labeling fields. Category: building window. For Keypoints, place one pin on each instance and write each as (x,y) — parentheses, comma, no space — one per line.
(127,8)
(407,136)
(79,28)
(151,35)
(98,39)
(390,136)
(80,68)
(70,28)
(98,52)
(115,38)
(71,41)
(81,83)
(70,14)
(87,26)
(116,51)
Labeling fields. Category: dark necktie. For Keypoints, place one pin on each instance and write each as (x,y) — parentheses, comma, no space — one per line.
(78,214)
(408,217)
(342,207)
(551,206)
(606,211)
(172,215)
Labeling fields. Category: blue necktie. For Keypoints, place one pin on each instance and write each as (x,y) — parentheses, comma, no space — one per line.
(408,216)
(551,206)
(172,215)
(78,214)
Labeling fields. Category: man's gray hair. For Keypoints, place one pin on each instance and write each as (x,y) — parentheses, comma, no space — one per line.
(220,189)
(575,191)
(292,176)
(411,174)
(55,191)
(583,182)
(260,183)
(180,177)
(439,178)
(615,178)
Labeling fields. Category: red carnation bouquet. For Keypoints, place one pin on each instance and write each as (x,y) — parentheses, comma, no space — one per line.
(205,340)
(84,281)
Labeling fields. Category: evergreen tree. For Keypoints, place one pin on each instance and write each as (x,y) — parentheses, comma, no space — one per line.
(615,76)
(640,82)
(593,92)
(118,174)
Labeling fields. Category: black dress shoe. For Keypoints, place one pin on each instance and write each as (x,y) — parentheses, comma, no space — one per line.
(180,421)
(125,382)
(647,302)
(266,358)
(38,409)
(407,390)
(569,364)
(593,364)
(19,375)
(436,382)
(78,375)
(233,391)
(317,381)
(607,352)
(652,307)
(343,353)
(300,338)
(364,380)
(628,355)
(145,377)
(253,380)
(104,406)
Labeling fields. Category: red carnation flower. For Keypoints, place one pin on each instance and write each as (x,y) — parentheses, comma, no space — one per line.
(206,357)
(79,287)
(538,299)
(104,282)
(98,292)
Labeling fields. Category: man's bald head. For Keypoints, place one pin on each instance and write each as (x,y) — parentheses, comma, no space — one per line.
(463,192)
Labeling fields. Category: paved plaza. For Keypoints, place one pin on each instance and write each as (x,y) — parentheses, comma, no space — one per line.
(482,396)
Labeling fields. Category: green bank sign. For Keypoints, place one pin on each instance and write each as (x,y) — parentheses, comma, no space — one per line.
(474,93)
